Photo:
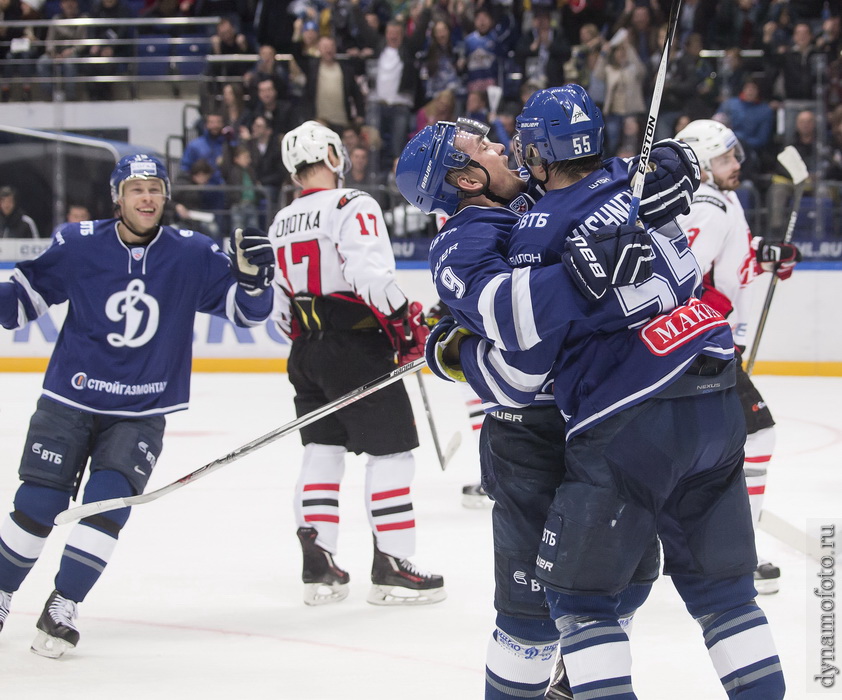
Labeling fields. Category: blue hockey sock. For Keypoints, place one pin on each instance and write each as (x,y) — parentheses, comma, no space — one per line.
(743,652)
(92,541)
(520,658)
(23,533)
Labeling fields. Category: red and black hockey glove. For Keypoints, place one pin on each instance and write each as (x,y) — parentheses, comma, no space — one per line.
(779,258)
(409,333)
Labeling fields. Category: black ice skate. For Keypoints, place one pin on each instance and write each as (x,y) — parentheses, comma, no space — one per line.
(474,496)
(767,578)
(5,604)
(559,682)
(399,582)
(56,631)
(324,581)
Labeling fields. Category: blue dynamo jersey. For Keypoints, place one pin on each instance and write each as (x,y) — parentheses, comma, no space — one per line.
(604,356)
(126,345)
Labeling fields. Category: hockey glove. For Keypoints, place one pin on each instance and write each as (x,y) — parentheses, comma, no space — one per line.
(444,333)
(409,333)
(252,260)
(612,256)
(669,184)
(779,258)
(716,299)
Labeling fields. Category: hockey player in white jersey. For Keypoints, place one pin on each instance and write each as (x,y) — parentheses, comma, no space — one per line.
(731,259)
(337,298)
(121,362)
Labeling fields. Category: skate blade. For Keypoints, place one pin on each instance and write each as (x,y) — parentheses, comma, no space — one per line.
(324,593)
(398,595)
(476,502)
(50,647)
(767,586)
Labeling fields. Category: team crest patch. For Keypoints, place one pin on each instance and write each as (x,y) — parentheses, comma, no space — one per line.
(348,197)
(521,204)
(137,253)
(667,332)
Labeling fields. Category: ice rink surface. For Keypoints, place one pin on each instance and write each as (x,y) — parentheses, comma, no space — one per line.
(202,598)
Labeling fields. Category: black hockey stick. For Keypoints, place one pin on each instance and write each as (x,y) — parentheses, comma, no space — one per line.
(87,509)
(791,160)
(455,441)
(652,118)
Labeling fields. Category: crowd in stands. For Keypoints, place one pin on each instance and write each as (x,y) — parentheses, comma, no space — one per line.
(377,71)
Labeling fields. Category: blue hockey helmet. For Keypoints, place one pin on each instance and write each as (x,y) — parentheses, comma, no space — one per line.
(430,155)
(559,123)
(140,166)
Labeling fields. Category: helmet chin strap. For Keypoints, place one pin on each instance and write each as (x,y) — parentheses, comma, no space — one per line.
(486,189)
(147,234)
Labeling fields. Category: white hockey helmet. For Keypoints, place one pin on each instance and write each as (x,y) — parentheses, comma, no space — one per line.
(310,143)
(709,139)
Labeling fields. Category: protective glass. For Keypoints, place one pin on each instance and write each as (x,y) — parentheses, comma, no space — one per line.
(469,137)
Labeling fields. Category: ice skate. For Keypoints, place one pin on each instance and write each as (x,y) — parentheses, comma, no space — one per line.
(324,581)
(474,496)
(57,632)
(399,582)
(559,688)
(767,578)
(5,604)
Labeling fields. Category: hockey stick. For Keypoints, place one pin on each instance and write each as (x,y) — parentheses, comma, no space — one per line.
(652,118)
(790,535)
(791,160)
(455,441)
(87,509)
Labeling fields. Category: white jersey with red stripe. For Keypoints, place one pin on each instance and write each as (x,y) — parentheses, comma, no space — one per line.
(720,238)
(335,241)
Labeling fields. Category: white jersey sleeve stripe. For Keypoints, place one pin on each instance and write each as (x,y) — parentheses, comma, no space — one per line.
(36,299)
(527,333)
(485,307)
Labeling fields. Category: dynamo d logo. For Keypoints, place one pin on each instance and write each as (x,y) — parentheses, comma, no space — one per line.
(140,312)
(79,380)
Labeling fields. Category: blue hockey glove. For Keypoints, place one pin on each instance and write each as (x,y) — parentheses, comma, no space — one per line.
(252,260)
(612,256)
(445,332)
(668,187)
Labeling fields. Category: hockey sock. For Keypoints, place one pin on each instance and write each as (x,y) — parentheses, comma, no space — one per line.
(759,447)
(389,501)
(317,492)
(743,652)
(520,658)
(23,533)
(92,540)
(595,649)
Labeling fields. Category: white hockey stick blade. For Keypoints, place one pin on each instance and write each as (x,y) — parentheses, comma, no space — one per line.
(790,535)
(495,94)
(451,449)
(794,164)
(88,509)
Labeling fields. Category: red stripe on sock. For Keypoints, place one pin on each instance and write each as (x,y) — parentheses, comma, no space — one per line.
(389,494)
(756,490)
(473,402)
(759,458)
(321,487)
(405,525)
(477,427)
(321,518)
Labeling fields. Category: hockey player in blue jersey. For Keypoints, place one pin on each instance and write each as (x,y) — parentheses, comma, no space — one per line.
(655,432)
(452,168)
(121,362)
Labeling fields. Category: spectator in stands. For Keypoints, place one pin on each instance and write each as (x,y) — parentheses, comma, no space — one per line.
(619,65)
(274,25)
(829,41)
(238,171)
(332,94)
(266,68)
(476,105)
(278,113)
(542,52)
(63,45)
(108,9)
(76,213)
(441,108)
(443,62)
(240,12)
(265,148)
(307,35)
(233,108)
(579,67)
(207,146)
(752,121)
(362,177)
(228,41)
(197,208)
(834,170)
(25,45)
(395,86)
(780,191)
(484,49)
(732,23)
(795,62)
(733,74)
(161,9)
(642,26)
(14,221)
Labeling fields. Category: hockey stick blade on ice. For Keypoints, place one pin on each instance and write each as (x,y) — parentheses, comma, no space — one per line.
(652,118)
(87,509)
(792,162)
